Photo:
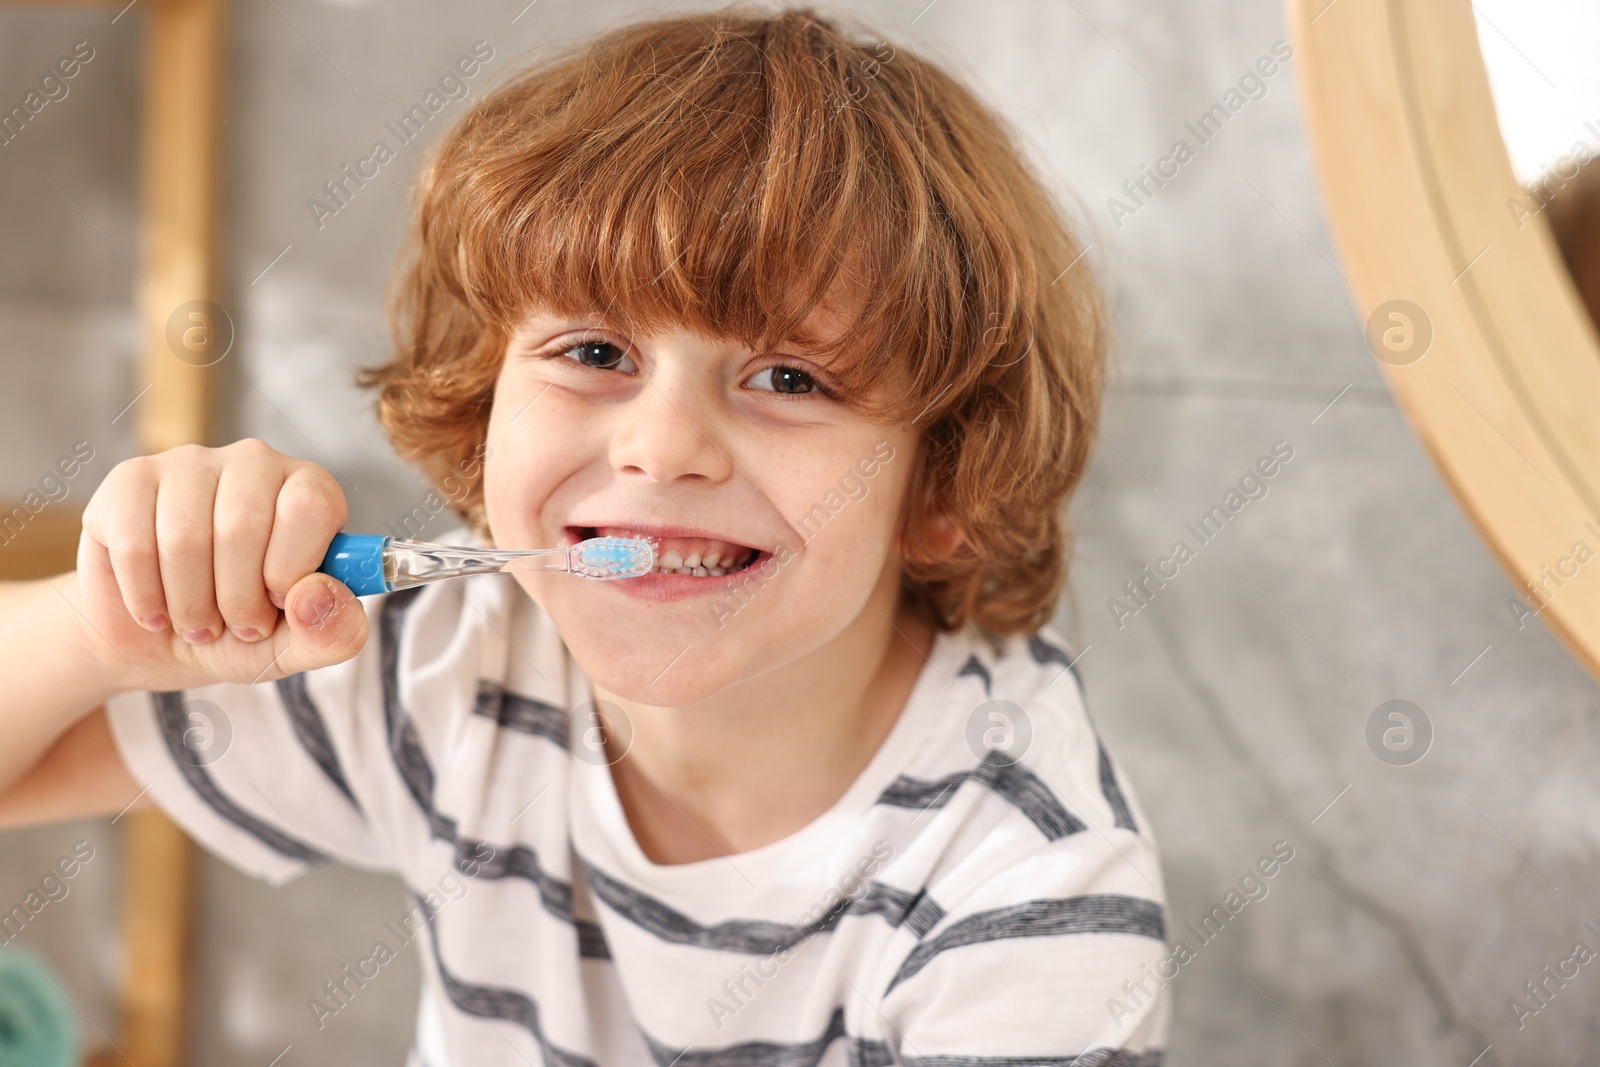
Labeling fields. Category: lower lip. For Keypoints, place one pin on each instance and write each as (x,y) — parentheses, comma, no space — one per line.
(656,586)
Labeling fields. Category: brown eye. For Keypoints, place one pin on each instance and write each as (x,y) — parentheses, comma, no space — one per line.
(781,379)
(601,355)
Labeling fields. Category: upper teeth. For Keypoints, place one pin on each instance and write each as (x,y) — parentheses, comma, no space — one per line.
(698,556)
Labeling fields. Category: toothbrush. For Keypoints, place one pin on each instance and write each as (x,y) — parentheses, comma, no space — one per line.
(378,563)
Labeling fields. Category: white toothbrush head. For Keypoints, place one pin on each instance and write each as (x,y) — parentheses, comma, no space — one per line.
(613,557)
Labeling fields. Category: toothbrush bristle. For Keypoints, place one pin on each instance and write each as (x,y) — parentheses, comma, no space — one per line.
(614,557)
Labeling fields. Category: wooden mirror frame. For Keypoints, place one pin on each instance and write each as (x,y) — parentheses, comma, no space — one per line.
(1418,191)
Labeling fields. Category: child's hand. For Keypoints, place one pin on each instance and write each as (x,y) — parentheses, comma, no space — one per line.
(186,557)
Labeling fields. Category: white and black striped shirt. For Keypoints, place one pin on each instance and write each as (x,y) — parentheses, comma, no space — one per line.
(954,907)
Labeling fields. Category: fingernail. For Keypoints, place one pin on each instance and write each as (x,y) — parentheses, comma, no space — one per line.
(155,622)
(244,633)
(277,600)
(315,606)
(197,637)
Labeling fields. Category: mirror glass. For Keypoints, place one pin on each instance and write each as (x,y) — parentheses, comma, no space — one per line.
(1541,60)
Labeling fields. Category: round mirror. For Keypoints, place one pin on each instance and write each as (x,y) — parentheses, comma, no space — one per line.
(1449,233)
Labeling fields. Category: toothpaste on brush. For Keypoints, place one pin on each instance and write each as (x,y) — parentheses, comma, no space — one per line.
(378,563)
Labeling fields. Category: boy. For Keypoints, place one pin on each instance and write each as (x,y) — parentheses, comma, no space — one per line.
(821,790)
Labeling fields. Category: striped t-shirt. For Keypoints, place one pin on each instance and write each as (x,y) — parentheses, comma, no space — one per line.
(987,891)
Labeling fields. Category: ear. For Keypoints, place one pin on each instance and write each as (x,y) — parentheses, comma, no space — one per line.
(944,534)
(940,535)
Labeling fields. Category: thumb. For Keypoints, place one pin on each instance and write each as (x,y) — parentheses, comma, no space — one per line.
(326,624)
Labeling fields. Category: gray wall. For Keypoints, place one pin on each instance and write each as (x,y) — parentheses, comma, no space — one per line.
(1238,699)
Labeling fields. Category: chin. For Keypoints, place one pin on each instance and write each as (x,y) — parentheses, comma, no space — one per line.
(686,693)
(656,672)
(678,652)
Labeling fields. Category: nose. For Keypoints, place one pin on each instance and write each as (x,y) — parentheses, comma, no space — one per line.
(670,432)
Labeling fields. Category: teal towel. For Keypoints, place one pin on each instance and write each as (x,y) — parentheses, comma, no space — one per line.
(37,1028)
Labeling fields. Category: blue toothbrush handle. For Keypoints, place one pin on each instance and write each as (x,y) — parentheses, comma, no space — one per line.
(357,561)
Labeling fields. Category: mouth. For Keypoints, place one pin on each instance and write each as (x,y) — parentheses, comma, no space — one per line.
(677,554)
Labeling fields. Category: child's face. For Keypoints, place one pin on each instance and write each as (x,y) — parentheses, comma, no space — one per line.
(629,436)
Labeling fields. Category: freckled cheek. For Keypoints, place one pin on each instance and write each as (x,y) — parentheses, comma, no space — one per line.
(515,487)
(877,532)
(877,516)
(532,454)
(852,542)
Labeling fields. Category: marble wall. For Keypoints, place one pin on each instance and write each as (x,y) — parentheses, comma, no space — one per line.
(1423,892)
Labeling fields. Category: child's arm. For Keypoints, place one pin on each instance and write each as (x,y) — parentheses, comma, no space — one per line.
(210,539)
(81,776)
(62,762)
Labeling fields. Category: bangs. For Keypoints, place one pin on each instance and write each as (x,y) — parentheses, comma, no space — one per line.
(734,174)
(729,181)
